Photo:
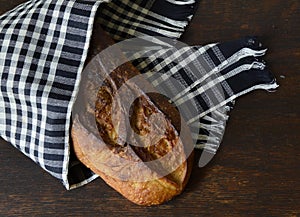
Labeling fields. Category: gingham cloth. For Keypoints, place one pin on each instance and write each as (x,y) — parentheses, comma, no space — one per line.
(43,48)
(208,79)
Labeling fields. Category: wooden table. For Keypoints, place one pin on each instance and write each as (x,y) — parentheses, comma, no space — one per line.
(257,169)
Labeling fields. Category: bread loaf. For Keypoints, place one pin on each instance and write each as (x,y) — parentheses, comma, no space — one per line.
(148,163)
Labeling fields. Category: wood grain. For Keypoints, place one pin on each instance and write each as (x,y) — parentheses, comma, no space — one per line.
(256,171)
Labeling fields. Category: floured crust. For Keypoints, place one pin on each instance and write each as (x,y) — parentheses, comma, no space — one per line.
(146,162)
(142,193)
(122,166)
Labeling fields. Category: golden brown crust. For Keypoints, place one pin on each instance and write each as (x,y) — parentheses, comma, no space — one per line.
(123,166)
(143,193)
(153,167)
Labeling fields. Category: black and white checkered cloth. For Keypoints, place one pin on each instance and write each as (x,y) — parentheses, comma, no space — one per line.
(208,79)
(134,18)
(43,47)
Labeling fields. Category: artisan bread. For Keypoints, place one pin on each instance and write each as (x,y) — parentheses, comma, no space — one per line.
(149,163)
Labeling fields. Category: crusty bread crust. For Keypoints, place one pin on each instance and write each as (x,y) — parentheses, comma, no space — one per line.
(153,192)
(125,167)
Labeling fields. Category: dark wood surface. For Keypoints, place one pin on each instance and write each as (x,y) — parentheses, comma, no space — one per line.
(257,169)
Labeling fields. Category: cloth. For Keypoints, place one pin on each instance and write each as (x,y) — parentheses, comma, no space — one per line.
(43,48)
(224,71)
